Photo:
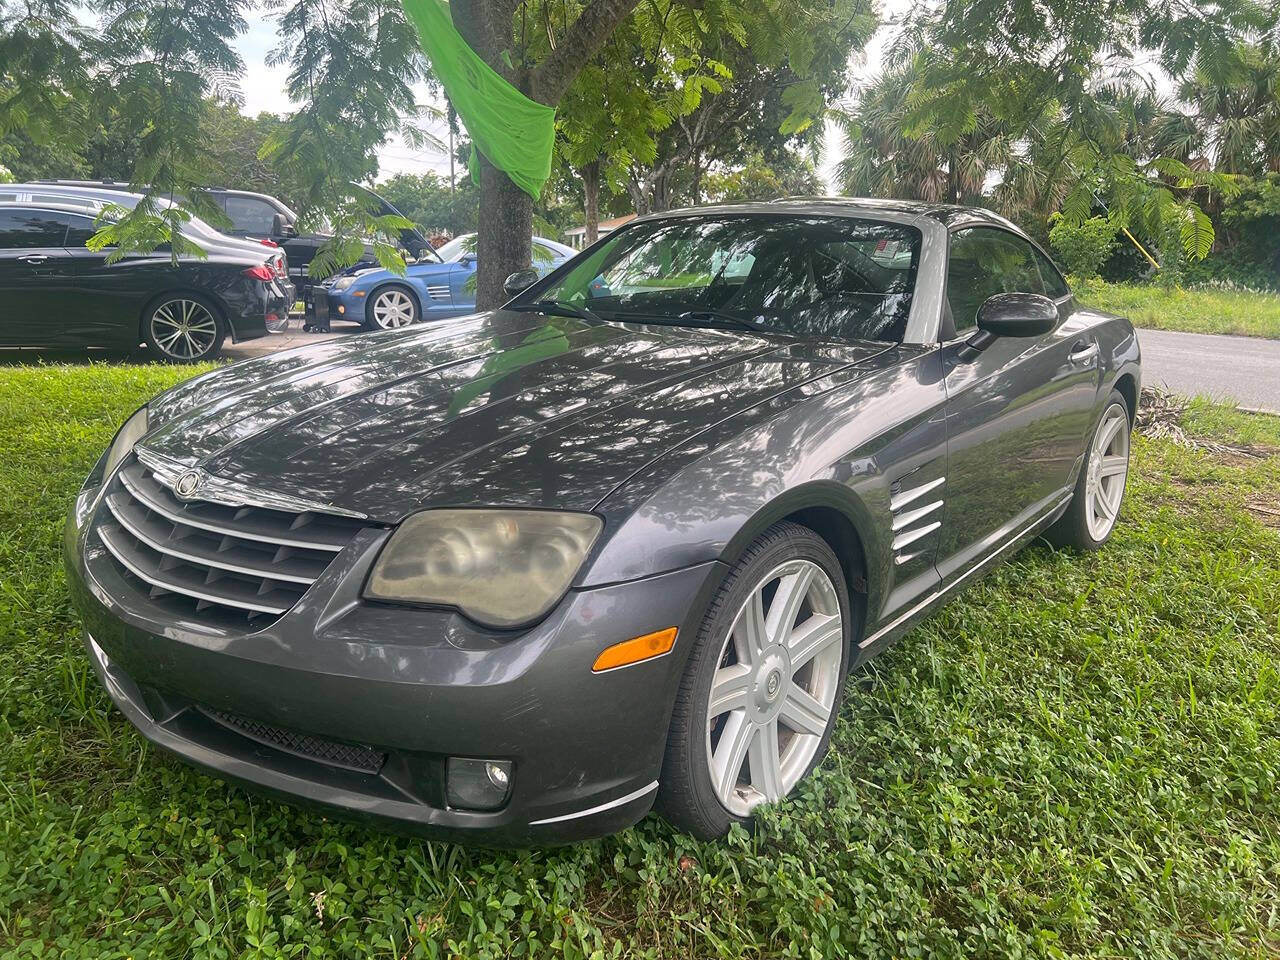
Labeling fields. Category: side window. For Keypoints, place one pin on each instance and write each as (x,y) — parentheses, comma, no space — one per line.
(1054,286)
(79,231)
(249,215)
(543,256)
(985,261)
(31,228)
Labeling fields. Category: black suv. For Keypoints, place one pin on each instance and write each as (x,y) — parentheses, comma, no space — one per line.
(263,217)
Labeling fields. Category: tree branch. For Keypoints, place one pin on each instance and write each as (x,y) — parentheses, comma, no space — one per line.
(552,77)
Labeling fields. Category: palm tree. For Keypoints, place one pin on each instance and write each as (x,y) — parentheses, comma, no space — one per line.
(992,163)
(1236,107)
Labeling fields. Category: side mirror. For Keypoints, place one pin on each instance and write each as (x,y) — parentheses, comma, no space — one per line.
(520,281)
(1010,315)
(1017,315)
(468,260)
(280,228)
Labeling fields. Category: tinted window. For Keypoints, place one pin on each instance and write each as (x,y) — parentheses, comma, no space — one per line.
(812,276)
(31,228)
(251,216)
(985,261)
(79,231)
(1054,285)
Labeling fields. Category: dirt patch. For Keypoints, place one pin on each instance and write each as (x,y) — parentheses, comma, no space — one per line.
(1160,417)
(1265,509)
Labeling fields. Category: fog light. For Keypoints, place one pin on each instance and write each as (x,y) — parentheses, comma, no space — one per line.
(477,784)
(341,308)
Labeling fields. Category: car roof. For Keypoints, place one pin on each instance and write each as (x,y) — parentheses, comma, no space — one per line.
(904,210)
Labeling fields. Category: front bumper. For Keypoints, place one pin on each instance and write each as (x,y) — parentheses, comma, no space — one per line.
(414,685)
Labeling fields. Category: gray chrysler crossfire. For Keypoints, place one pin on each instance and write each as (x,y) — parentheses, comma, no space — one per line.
(518,577)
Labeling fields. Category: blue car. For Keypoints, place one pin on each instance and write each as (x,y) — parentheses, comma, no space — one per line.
(428,291)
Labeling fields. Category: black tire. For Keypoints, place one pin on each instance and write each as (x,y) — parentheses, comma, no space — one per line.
(687,797)
(183,327)
(371,321)
(1072,529)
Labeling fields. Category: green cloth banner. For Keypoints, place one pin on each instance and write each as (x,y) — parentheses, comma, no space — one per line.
(514,133)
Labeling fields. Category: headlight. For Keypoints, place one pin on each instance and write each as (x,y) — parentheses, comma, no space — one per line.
(126,439)
(502,568)
(343,282)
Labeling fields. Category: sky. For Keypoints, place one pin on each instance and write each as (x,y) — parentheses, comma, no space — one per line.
(263,88)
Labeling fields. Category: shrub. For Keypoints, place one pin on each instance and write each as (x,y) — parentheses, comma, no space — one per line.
(1084,247)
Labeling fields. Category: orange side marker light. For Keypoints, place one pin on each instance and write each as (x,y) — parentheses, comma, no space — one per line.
(635,650)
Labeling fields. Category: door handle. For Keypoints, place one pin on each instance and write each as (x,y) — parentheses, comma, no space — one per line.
(34,258)
(1083,353)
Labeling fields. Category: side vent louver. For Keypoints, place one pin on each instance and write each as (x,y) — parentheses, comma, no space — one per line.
(916,514)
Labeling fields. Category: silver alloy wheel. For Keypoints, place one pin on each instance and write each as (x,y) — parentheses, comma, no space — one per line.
(183,329)
(775,687)
(1107,469)
(393,308)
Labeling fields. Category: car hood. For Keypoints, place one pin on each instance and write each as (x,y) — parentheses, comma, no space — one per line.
(498,408)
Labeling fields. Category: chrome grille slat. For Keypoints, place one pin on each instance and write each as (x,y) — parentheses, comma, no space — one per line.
(439,292)
(171,508)
(134,521)
(230,564)
(177,585)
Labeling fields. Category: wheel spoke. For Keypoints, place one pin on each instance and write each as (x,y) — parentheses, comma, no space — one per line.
(813,636)
(792,589)
(1113,466)
(749,636)
(731,752)
(766,765)
(1105,510)
(803,713)
(729,689)
(1107,433)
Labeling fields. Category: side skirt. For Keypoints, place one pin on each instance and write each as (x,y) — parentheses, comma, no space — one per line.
(891,632)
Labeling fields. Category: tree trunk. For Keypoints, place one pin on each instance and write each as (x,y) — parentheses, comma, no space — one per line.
(505,227)
(591,194)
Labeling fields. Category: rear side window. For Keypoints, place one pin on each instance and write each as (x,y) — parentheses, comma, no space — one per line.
(985,261)
(250,215)
(79,231)
(32,228)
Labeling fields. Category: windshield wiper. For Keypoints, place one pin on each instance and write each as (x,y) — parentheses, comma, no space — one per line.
(557,308)
(733,319)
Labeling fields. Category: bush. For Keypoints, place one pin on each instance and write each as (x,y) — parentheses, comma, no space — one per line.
(1084,247)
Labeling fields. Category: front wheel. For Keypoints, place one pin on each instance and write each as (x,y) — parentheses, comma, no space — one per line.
(763,684)
(183,328)
(1095,504)
(390,309)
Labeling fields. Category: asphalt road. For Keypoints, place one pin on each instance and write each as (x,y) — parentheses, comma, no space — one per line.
(1245,370)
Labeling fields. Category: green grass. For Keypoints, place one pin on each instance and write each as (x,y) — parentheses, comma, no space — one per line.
(1197,311)
(1077,757)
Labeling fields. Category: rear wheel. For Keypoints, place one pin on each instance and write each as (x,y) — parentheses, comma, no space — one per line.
(391,308)
(763,685)
(183,328)
(1095,504)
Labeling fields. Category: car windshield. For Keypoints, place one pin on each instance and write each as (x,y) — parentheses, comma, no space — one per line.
(455,249)
(830,277)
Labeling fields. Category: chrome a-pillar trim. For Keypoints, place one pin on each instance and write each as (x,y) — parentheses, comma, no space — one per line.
(591,811)
(974,568)
(233,494)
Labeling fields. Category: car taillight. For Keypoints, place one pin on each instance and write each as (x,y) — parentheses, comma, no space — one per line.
(281,270)
(267,243)
(260,272)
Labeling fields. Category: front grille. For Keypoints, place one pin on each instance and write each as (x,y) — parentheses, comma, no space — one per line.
(238,566)
(345,755)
